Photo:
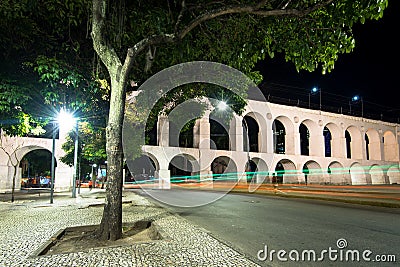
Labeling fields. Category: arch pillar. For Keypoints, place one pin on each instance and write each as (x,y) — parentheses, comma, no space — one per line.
(270,137)
(236,133)
(203,132)
(163,131)
(343,146)
(377,146)
(317,143)
(164,178)
(292,138)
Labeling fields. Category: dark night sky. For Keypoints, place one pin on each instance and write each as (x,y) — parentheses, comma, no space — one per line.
(371,70)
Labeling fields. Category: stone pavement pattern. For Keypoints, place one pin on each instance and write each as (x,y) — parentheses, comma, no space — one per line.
(26,225)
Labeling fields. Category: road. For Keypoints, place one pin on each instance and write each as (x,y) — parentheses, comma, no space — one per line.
(250,222)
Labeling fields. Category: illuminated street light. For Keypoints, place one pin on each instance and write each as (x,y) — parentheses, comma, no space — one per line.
(314,91)
(68,121)
(356,99)
(222,105)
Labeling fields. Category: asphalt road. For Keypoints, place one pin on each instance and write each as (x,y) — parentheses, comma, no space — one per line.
(250,222)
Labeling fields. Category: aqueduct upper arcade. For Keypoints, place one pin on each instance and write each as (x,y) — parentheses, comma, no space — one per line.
(278,143)
(268,143)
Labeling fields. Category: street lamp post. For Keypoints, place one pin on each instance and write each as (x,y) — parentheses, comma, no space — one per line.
(313,91)
(248,166)
(52,163)
(247,142)
(94,166)
(357,99)
(68,121)
(75,160)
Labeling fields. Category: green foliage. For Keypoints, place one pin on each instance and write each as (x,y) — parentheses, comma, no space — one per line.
(58,51)
(91,145)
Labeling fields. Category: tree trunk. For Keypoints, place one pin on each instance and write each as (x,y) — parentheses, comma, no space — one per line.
(13,183)
(111,223)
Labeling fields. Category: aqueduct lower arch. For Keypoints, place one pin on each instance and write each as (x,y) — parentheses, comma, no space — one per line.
(361,151)
(372,146)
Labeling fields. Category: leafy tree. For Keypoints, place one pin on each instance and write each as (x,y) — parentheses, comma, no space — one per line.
(136,39)
(92,145)
(44,35)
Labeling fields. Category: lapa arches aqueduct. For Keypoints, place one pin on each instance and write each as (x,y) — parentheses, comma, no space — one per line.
(286,144)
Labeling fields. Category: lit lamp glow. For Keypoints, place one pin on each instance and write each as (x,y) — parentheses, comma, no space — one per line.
(68,122)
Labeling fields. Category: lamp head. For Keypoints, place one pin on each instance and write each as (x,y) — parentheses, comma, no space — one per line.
(66,119)
(222,105)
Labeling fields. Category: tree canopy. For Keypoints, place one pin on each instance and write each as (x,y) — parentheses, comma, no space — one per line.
(88,53)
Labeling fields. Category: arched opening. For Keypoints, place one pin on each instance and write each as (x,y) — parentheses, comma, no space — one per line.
(219,134)
(373,148)
(285,172)
(390,147)
(250,136)
(173,134)
(182,169)
(312,172)
(348,144)
(260,171)
(151,133)
(377,175)
(251,171)
(366,147)
(279,137)
(304,140)
(186,134)
(36,169)
(357,174)
(182,135)
(337,174)
(224,169)
(333,141)
(393,174)
(354,143)
(141,170)
(327,142)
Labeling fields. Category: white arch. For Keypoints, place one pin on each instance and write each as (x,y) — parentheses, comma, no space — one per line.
(290,134)
(262,129)
(224,168)
(262,172)
(186,163)
(391,151)
(377,175)
(314,174)
(290,174)
(337,149)
(374,147)
(356,144)
(357,174)
(315,139)
(337,173)
(393,174)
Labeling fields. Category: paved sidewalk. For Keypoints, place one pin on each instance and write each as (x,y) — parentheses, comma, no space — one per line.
(30,221)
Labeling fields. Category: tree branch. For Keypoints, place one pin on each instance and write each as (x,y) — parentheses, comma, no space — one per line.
(106,53)
(209,15)
(249,9)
